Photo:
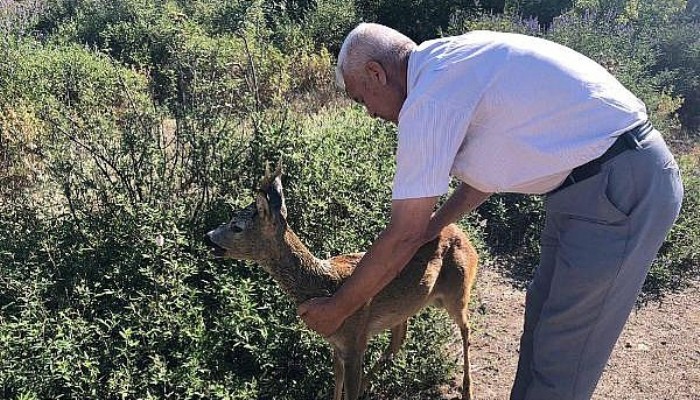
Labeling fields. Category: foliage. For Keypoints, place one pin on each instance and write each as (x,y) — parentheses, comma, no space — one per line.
(106,289)
(543,10)
(678,66)
(495,22)
(20,133)
(330,21)
(421,20)
(679,257)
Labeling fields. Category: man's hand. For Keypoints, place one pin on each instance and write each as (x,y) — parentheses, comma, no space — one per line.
(321,315)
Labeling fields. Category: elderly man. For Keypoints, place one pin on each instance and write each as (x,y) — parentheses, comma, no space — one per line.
(510,113)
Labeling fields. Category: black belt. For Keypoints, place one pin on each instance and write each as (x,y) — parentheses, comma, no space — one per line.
(626,141)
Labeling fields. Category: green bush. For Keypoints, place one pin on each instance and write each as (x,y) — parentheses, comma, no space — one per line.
(678,65)
(421,20)
(56,98)
(544,11)
(107,289)
(20,136)
(91,312)
(678,260)
(92,306)
(330,22)
(192,60)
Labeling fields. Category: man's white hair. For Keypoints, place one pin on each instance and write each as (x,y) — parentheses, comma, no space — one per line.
(371,42)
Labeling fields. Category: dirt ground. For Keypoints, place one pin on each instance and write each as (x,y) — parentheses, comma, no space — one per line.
(656,358)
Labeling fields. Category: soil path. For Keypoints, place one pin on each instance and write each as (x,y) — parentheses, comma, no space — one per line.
(656,358)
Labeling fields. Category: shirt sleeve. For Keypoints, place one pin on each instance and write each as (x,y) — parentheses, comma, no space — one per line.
(429,136)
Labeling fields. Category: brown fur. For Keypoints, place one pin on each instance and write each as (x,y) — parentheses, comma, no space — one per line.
(441,273)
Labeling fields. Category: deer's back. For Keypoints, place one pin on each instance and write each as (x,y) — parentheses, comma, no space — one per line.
(441,269)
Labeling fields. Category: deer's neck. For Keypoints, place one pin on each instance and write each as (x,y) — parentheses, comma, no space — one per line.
(299,273)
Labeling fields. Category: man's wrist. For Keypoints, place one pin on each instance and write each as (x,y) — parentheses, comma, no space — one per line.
(342,307)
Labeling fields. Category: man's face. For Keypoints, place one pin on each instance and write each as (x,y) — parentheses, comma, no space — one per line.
(381,97)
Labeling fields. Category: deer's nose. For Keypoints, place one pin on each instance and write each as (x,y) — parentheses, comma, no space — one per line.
(217,250)
(208,241)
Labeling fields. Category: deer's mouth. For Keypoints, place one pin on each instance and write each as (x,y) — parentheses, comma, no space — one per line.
(216,250)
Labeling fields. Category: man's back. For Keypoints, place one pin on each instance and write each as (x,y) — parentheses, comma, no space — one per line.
(536,101)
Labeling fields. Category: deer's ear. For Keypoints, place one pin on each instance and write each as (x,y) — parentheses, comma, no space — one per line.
(270,199)
(262,204)
(278,169)
(270,203)
(277,196)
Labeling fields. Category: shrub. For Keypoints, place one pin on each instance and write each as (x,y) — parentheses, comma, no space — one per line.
(544,11)
(330,22)
(108,292)
(189,59)
(421,20)
(20,134)
(678,66)
(92,307)
(678,260)
(494,22)
(112,314)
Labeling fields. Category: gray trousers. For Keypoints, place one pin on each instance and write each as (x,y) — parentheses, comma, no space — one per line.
(599,240)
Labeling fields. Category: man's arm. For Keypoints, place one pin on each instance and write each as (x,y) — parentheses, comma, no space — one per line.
(462,201)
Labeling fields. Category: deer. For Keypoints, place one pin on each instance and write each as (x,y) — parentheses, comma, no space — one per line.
(441,273)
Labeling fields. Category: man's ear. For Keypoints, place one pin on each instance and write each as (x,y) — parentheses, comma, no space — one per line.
(376,72)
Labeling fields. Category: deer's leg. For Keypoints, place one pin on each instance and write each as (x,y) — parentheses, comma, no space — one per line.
(467,393)
(338,374)
(398,336)
(459,311)
(352,361)
(352,355)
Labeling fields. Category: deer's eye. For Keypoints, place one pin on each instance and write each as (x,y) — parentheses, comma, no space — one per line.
(237,226)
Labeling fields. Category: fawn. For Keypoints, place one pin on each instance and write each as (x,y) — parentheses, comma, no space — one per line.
(441,272)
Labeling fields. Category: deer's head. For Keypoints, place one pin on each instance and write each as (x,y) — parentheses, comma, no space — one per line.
(254,232)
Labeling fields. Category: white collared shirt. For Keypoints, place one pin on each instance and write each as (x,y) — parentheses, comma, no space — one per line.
(504,113)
